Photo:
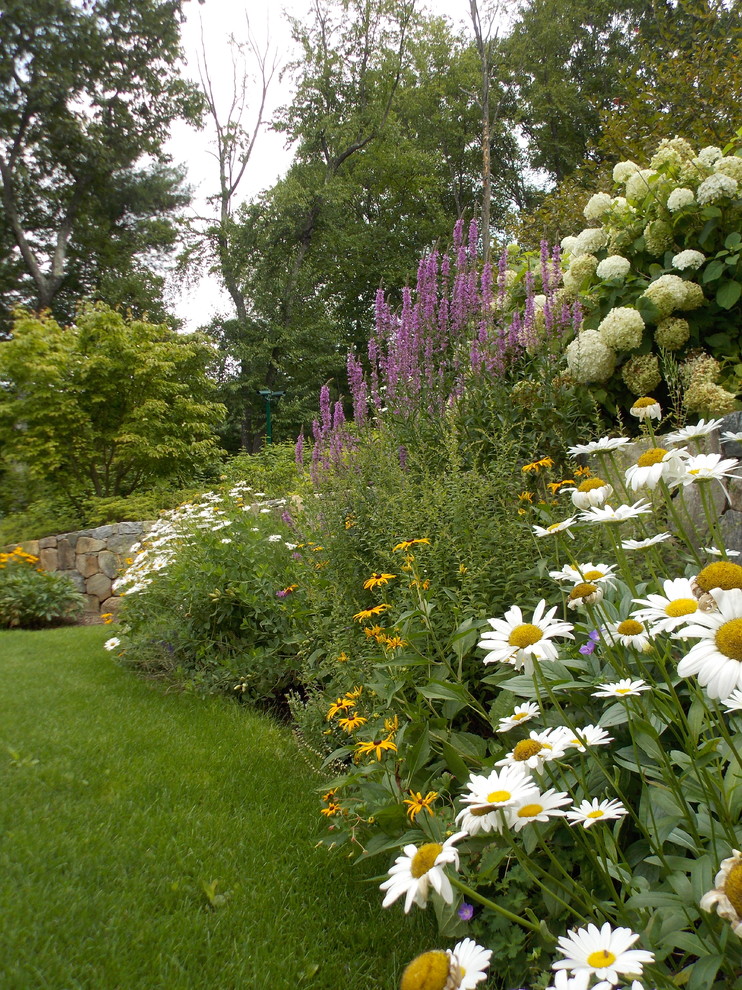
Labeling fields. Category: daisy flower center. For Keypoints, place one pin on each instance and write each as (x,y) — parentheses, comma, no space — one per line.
(600,959)
(593,575)
(591,484)
(525,749)
(681,606)
(497,797)
(596,813)
(424,859)
(429,971)
(629,627)
(530,810)
(583,590)
(644,402)
(524,635)
(733,887)
(519,715)
(623,690)
(721,574)
(554,527)
(650,457)
(729,639)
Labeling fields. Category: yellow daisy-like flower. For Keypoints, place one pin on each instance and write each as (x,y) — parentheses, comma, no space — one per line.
(416,583)
(376,746)
(417,803)
(526,497)
(406,544)
(391,724)
(377,580)
(341,705)
(369,613)
(343,658)
(355,693)
(374,632)
(537,465)
(582,472)
(352,722)
(394,642)
(331,810)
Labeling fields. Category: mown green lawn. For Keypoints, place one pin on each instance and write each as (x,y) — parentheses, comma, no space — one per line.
(123,808)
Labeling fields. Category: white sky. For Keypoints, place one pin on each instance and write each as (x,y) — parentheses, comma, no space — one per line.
(218,19)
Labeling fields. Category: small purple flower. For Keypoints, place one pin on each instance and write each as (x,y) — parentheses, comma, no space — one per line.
(282,593)
(466,911)
(588,648)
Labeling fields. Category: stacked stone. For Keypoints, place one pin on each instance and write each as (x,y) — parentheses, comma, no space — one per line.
(91,559)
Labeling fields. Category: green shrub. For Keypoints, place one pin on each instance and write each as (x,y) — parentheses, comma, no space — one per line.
(31,598)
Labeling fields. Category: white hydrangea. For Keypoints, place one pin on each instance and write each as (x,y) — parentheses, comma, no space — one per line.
(668,293)
(688,259)
(622,329)
(679,198)
(589,359)
(614,266)
(637,185)
(620,203)
(597,206)
(590,240)
(709,156)
(623,171)
(717,186)
(731,166)
(568,243)
(539,301)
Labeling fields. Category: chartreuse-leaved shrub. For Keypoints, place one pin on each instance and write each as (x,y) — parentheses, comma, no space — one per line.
(30,597)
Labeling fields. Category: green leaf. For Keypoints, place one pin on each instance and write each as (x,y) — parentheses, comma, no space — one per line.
(713,271)
(733,240)
(454,763)
(728,294)
(438,690)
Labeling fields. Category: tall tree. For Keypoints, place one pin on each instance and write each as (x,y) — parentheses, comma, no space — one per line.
(88,89)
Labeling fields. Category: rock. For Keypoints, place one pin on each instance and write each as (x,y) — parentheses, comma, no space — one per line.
(49,559)
(111,605)
(102,532)
(731,529)
(65,555)
(77,579)
(98,585)
(87,564)
(92,604)
(108,563)
(87,544)
(48,543)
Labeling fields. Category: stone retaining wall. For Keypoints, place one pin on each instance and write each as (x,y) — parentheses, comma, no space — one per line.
(90,558)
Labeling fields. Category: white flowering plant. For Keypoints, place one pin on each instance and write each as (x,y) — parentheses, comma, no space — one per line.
(581,754)
(659,274)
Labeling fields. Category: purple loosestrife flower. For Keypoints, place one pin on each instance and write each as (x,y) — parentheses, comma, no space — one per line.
(324,408)
(403,457)
(299,450)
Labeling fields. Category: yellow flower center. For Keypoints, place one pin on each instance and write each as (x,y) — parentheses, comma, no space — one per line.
(591,484)
(597,813)
(600,959)
(644,402)
(583,590)
(729,639)
(497,797)
(653,456)
(427,972)
(623,690)
(593,575)
(524,635)
(554,527)
(733,887)
(525,749)
(681,606)
(721,574)
(530,810)
(425,858)
(519,715)
(629,627)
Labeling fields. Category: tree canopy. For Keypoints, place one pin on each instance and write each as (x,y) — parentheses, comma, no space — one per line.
(87,93)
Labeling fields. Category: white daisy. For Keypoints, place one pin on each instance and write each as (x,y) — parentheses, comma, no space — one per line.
(629,632)
(417,870)
(522,713)
(715,552)
(701,429)
(473,821)
(668,612)
(717,658)
(592,491)
(734,702)
(469,963)
(726,897)
(654,465)
(557,527)
(585,593)
(649,542)
(588,735)
(589,572)
(646,408)
(540,747)
(603,952)
(577,981)
(539,808)
(112,643)
(709,467)
(520,643)
(621,689)
(732,437)
(274,538)
(607,514)
(601,446)
(587,813)
(499,789)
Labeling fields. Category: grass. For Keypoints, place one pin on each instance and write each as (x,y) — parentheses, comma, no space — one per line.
(164,840)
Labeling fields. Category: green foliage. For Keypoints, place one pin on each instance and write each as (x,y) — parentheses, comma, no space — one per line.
(31,598)
(107,405)
(87,91)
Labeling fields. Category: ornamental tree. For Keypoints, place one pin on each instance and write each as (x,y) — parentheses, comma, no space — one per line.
(107,405)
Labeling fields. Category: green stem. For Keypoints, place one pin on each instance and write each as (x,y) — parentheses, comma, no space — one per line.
(498,908)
